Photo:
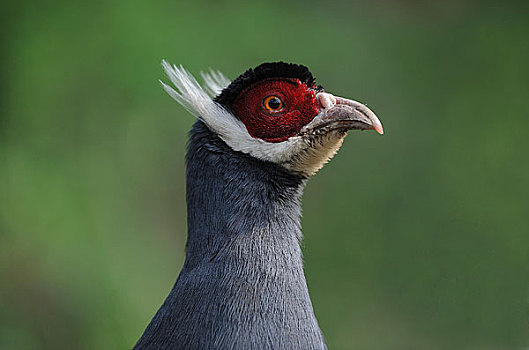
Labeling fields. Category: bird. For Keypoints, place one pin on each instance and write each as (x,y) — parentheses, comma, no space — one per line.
(255,143)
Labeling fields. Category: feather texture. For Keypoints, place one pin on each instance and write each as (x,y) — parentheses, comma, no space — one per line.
(190,94)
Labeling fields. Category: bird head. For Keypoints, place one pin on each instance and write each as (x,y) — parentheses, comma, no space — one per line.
(274,112)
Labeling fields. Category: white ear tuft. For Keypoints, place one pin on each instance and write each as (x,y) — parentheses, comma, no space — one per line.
(194,98)
(189,93)
(231,130)
(215,81)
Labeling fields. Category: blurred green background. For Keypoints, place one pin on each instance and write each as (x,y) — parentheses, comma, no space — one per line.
(415,240)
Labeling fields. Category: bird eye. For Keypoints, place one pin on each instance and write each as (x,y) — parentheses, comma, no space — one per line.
(273,103)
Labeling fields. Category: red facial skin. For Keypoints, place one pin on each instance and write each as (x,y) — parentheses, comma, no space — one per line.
(300,106)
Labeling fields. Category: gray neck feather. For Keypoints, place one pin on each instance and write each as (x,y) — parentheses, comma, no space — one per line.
(242,285)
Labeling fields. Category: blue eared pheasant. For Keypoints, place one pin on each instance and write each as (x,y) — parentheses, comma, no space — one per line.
(255,143)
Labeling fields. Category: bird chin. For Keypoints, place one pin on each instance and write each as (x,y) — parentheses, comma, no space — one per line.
(319,147)
(322,141)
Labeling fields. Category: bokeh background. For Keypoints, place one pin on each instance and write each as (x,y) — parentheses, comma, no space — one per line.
(415,240)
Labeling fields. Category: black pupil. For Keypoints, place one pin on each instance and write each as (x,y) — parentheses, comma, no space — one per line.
(274,103)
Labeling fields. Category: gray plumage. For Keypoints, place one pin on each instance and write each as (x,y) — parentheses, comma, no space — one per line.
(242,285)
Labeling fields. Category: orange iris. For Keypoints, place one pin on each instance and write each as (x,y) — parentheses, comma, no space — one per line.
(273,103)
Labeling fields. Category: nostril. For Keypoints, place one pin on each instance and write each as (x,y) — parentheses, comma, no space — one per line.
(326,100)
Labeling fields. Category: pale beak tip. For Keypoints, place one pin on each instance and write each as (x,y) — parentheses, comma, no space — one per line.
(378,128)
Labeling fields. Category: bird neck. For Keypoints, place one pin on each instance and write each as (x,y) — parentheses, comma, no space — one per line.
(240,207)
(242,282)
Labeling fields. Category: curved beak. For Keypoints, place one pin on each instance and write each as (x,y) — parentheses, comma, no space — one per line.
(341,113)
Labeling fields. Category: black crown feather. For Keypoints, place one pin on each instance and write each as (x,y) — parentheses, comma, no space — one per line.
(261,72)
